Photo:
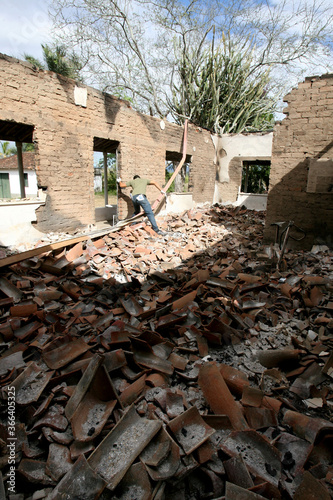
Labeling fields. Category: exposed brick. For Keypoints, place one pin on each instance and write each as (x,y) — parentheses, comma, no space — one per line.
(307,133)
(64,137)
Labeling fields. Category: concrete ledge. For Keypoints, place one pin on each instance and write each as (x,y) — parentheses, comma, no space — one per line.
(109,212)
(178,202)
(15,222)
(252,201)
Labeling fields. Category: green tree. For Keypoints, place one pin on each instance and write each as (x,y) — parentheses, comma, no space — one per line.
(221,91)
(112,173)
(59,60)
(7,149)
(255,177)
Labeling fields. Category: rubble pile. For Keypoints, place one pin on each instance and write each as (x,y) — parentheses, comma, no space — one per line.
(186,366)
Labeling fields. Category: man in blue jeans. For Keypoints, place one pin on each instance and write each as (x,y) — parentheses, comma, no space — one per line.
(140,200)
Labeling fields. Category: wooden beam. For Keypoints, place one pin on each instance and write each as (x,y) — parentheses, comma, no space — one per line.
(18,257)
(105,163)
(20,167)
(177,170)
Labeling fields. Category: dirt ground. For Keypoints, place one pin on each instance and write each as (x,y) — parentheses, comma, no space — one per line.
(99,200)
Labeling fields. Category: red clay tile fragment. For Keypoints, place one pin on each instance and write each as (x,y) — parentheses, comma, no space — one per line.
(205,452)
(234,492)
(276,357)
(75,252)
(328,367)
(59,461)
(306,427)
(218,396)
(294,450)
(83,386)
(119,449)
(311,488)
(23,310)
(157,450)
(132,306)
(90,417)
(144,355)
(190,430)
(169,465)
(262,459)
(178,362)
(34,471)
(65,353)
(80,482)
(174,404)
(133,391)
(30,384)
(252,397)
(7,363)
(312,376)
(10,290)
(235,379)
(135,484)
(53,418)
(26,330)
(157,380)
(78,448)
(237,472)
(183,301)
(260,418)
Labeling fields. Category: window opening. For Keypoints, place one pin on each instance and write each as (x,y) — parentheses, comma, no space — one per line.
(4,185)
(255,176)
(16,166)
(181,183)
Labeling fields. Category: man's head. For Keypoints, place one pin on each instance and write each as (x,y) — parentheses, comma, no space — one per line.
(136,177)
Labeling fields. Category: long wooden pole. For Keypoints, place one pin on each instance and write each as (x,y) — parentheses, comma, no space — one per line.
(20,168)
(105,164)
(177,170)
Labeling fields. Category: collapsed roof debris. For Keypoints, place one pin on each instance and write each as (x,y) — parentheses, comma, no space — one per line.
(180,367)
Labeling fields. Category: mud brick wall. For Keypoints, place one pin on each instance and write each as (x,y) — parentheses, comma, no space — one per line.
(64,131)
(301,178)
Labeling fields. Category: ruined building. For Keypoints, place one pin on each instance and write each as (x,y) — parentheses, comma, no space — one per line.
(185,366)
(301,177)
(68,122)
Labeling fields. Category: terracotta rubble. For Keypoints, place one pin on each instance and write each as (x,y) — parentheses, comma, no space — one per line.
(193,365)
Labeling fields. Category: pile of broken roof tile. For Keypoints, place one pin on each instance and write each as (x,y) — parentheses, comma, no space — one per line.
(180,367)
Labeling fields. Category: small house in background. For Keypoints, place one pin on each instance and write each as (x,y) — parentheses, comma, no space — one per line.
(10,179)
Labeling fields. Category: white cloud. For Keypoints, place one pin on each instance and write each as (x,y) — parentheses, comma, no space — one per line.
(24,27)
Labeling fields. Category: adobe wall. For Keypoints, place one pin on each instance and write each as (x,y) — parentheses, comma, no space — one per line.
(66,117)
(301,177)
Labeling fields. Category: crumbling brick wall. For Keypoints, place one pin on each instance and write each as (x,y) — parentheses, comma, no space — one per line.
(301,178)
(64,132)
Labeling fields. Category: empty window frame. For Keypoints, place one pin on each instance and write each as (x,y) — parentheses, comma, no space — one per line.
(320,176)
(182,182)
(255,176)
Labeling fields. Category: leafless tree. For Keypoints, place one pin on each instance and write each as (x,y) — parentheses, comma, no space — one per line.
(136,48)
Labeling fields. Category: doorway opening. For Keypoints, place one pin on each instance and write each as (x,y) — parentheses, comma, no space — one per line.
(105,179)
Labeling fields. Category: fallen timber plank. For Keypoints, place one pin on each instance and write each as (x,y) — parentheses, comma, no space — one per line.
(13,259)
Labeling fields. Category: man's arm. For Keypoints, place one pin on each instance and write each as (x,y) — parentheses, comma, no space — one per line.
(153,183)
(121,183)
